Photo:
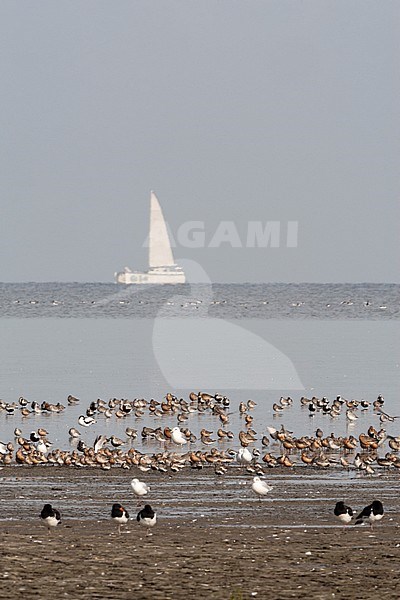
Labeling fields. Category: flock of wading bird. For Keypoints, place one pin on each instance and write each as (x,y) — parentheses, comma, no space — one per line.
(181,448)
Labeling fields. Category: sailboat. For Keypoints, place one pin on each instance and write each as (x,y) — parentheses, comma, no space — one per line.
(162,267)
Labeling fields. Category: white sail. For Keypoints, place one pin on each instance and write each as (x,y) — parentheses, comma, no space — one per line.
(160,253)
(162,268)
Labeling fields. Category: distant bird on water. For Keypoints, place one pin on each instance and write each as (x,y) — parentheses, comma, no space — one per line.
(343,513)
(119,515)
(72,399)
(147,517)
(50,516)
(373,512)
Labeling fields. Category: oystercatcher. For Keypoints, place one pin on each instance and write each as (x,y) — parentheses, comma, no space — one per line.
(343,513)
(147,517)
(373,512)
(119,515)
(50,516)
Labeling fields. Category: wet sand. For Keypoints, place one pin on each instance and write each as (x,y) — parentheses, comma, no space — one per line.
(213,539)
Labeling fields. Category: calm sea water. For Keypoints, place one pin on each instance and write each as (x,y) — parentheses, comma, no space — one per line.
(233,301)
(245,341)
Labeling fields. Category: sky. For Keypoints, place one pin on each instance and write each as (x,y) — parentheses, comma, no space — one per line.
(232,111)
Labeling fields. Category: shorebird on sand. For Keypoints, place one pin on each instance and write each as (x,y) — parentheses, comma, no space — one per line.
(139,488)
(119,515)
(343,513)
(260,487)
(50,516)
(147,517)
(372,513)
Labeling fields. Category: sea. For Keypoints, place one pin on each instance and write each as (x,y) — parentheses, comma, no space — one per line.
(244,341)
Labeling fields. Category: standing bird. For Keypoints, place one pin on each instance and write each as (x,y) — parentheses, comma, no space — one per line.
(373,512)
(41,446)
(119,515)
(343,513)
(50,516)
(351,415)
(147,517)
(177,436)
(99,443)
(244,456)
(139,488)
(116,442)
(259,487)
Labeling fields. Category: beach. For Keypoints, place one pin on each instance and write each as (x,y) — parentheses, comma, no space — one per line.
(213,538)
(199,300)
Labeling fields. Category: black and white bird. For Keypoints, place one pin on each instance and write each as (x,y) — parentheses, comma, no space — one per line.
(343,513)
(86,421)
(99,442)
(50,516)
(3,448)
(373,512)
(34,437)
(147,517)
(119,515)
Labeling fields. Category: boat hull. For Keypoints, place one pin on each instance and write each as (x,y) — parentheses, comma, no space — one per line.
(158,277)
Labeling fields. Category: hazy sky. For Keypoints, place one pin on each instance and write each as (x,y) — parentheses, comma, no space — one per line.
(230,110)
